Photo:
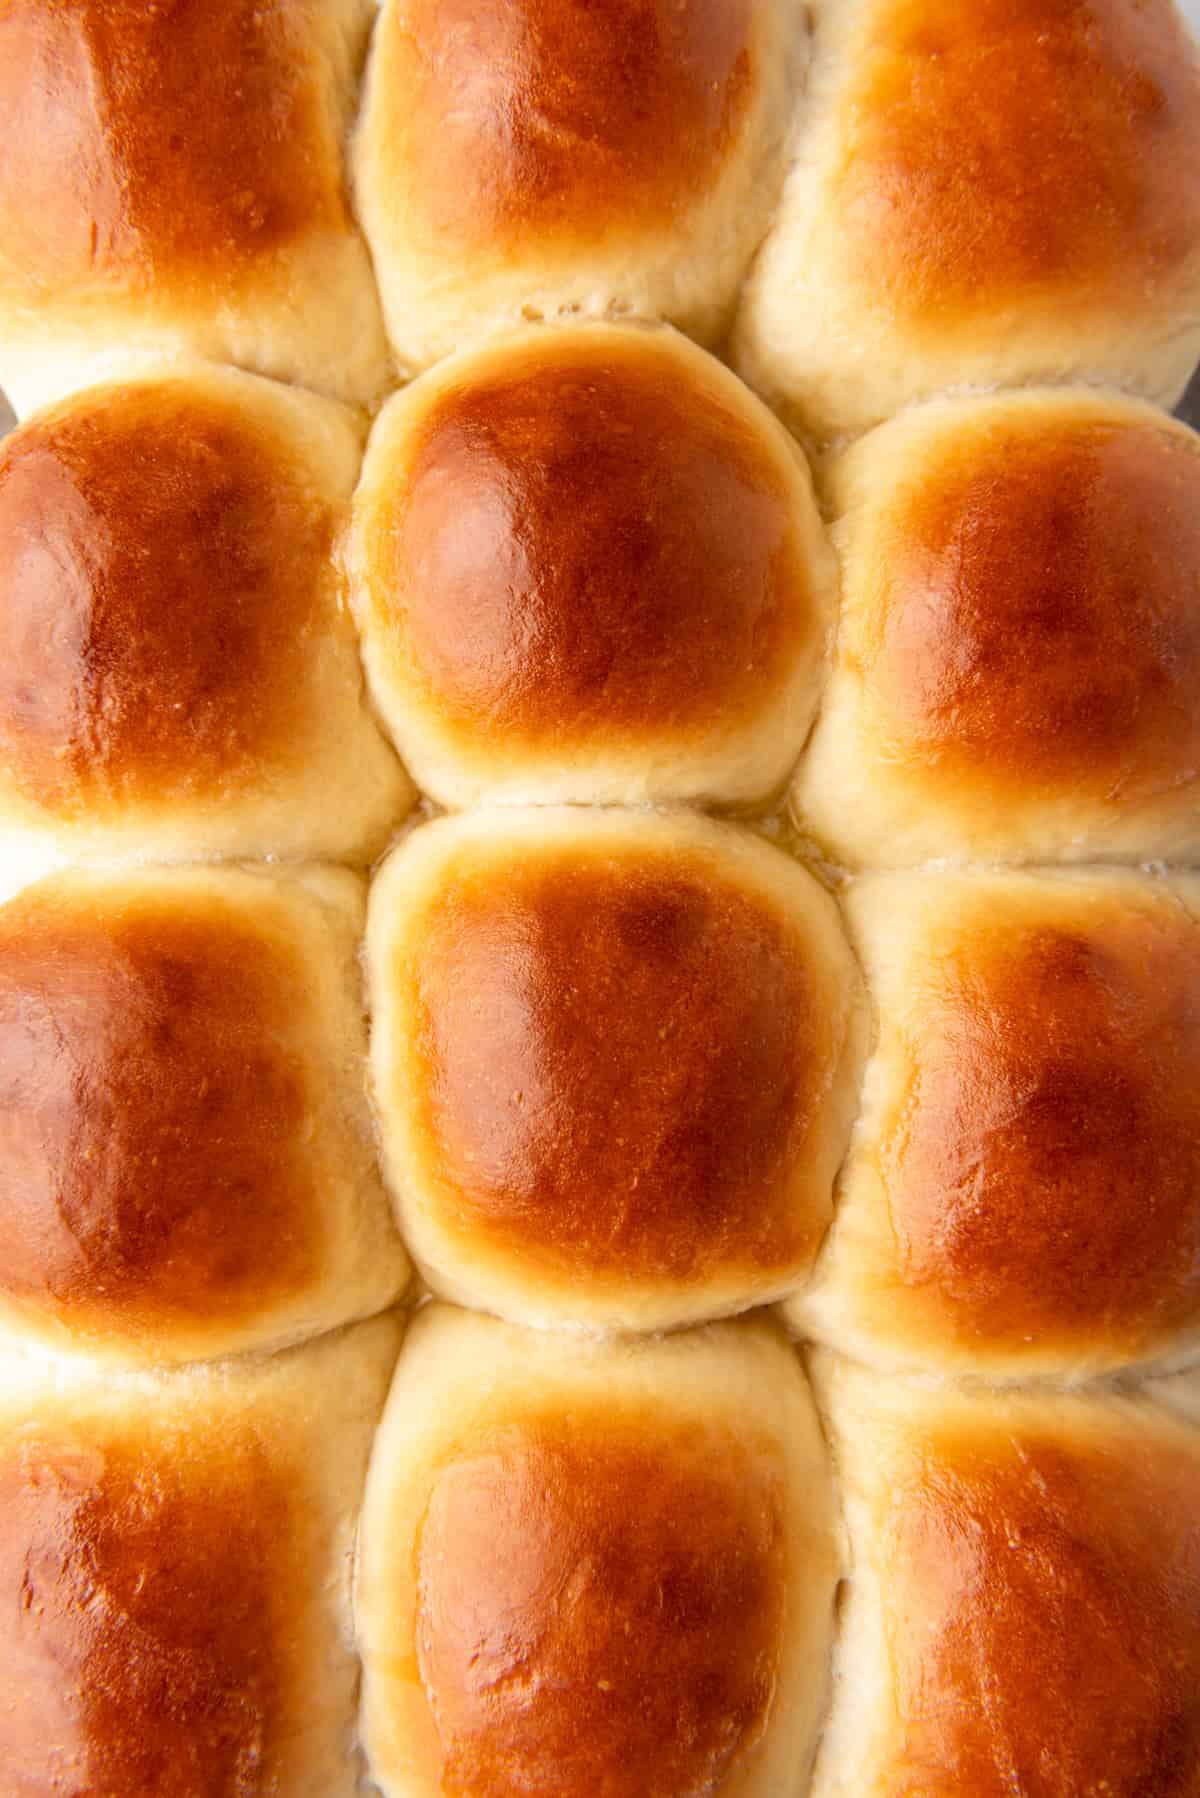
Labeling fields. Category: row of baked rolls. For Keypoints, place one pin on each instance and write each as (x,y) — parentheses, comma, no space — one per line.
(611,1569)
(983,192)
(587,565)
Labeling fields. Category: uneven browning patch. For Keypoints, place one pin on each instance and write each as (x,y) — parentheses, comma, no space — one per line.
(163,589)
(601,1606)
(1005,151)
(528,124)
(156,146)
(624,1061)
(592,547)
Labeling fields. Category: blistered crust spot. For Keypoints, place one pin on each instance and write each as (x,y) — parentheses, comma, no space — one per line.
(622,1063)
(152,146)
(601,1606)
(525,124)
(163,589)
(1006,152)
(1042,1173)
(1034,613)
(144,1645)
(156,1107)
(592,546)
(1057,1593)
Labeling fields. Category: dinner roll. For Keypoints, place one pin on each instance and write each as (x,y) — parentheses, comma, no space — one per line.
(174,1575)
(1017,672)
(984,192)
(177,669)
(1023,1192)
(186,1160)
(615,1060)
(173,179)
(536,158)
(588,565)
(1023,1612)
(595,1569)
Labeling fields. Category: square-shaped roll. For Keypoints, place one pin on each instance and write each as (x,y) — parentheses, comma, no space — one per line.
(178,670)
(1022,1194)
(535,158)
(588,565)
(615,1059)
(187,1166)
(595,1569)
(1017,671)
(175,1560)
(173,180)
(1023,1606)
(984,193)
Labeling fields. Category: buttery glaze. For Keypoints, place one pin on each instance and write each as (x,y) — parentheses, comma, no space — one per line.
(536,122)
(593,545)
(624,1059)
(98,99)
(158,1087)
(164,588)
(1006,151)
(1033,615)
(627,1639)
(145,1637)
(1058,1588)
(1042,1169)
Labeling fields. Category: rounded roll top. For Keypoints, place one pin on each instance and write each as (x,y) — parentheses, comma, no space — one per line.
(596,1576)
(528,159)
(614,1060)
(176,668)
(588,566)
(186,1162)
(171,170)
(1023,1195)
(1042,1551)
(985,192)
(174,1590)
(1019,657)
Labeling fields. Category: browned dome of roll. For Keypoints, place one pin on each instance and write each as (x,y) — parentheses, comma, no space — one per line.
(185,1158)
(176,664)
(1057,1588)
(157,566)
(585,556)
(97,99)
(623,1060)
(1007,151)
(640,1599)
(1038,611)
(148,1642)
(515,120)
(1042,1171)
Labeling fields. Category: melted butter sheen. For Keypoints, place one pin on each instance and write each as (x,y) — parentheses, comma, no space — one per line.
(600,1608)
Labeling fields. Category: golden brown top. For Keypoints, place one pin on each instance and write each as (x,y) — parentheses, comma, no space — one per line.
(161,145)
(592,542)
(624,1057)
(1056,1593)
(1034,610)
(602,1601)
(1042,1171)
(163,584)
(159,1079)
(151,1638)
(517,124)
(1008,151)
